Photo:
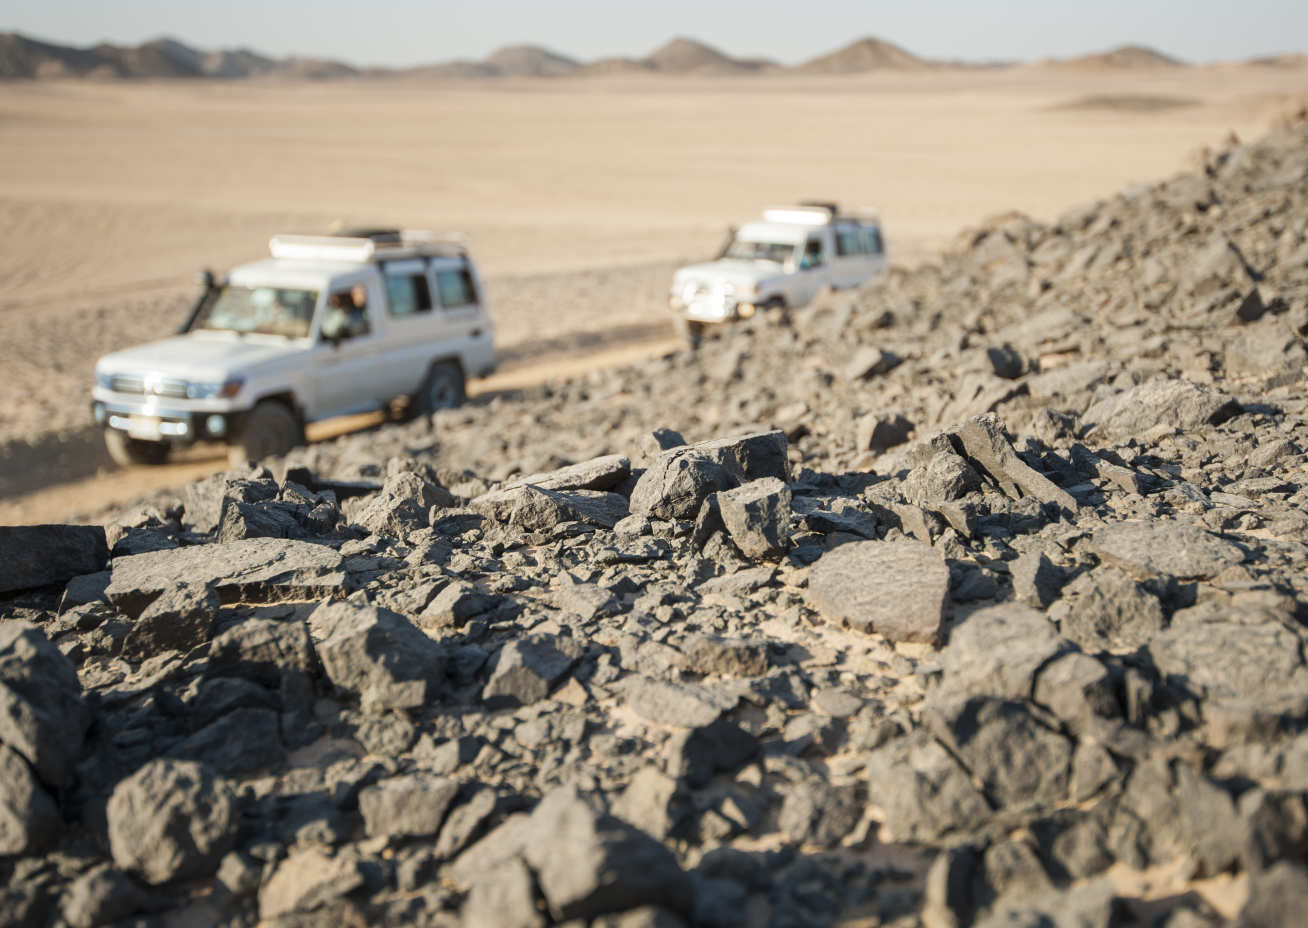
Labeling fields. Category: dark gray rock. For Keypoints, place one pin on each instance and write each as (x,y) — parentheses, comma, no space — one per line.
(410,805)
(1277,897)
(103,895)
(1110,611)
(403,505)
(1036,580)
(1174,549)
(997,652)
(377,655)
(527,668)
(29,819)
(677,483)
(258,570)
(266,519)
(893,588)
(589,864)
(42,716)
(43,555)
(264,650)
(455,605)
(171,820)
(655,803)
(1177,404)
(924,792)
(602,473)
(720,746)
(503,897)
(881,431)
(240,741)
(943,477)
(536,509)
(1253,662)
(819,814)
(308,880)
(1006,361)
(983,441)
(871,362)
(757,517)
(180,619)
(731,657)
(669,703)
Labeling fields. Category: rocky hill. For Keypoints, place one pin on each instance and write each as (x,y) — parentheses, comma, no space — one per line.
(1122,58)
(531,61)
(968,598)
(867,54)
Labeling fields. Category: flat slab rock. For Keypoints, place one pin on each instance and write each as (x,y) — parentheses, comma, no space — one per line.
(894,588)
(1176,549)
(253,570)
(40,555)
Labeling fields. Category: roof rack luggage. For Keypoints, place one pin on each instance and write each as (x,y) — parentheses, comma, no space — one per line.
(356,246)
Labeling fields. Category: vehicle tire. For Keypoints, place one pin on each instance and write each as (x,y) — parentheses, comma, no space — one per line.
(126,451)
(776,311)
(270,429)
(443,388)
(691,331)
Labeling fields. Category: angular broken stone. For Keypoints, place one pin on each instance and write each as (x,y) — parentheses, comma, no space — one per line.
(42,715)
(671,703)
(43,555)
(589,864)
(536,509)
(602,473)
(1175,403)
(29,819)
(377,655)
(403,505)
(410,805)
(881,431)
(527,668)
(180,619)
(1175,549)
(984,443)
(757,517)
(732,657)
(307,880)
(454,606)
(264,649)
(677,483)
(171,820)
(258,570)
(897,589)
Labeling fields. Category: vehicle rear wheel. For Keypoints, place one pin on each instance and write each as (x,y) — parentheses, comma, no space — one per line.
(126,451)
(443,388)
(270,429)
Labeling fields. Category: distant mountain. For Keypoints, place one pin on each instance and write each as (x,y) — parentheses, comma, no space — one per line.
(1122,58)
(685,56)
(530,61)
(867,54)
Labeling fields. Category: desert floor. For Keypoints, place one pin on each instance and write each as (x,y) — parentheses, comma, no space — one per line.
(578,196)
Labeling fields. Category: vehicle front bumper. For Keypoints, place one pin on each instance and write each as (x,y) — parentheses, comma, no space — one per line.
(173,421)
(708,309)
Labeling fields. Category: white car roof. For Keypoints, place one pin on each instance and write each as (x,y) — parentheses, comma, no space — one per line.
(782,232)
(299,275)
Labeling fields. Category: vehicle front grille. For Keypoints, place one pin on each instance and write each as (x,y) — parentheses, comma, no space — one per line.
(154,386)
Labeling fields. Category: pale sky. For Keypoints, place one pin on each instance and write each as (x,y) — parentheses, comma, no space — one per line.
(404,32)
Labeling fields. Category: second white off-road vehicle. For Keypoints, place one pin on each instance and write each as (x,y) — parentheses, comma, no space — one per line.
(778,263)
(379,319)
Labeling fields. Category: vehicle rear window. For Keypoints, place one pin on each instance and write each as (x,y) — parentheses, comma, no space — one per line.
(407,294)
(848,243)
(456,288)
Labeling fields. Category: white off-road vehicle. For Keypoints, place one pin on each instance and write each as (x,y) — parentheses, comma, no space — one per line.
(779,263)
(379,319)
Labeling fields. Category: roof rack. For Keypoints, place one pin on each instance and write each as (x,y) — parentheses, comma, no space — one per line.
(805,214)
(361,245)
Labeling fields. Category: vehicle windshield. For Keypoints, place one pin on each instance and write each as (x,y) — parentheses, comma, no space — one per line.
(778,252)
(258,310)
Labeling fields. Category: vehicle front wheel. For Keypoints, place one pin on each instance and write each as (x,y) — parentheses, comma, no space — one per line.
(269,430)
(443,388)
(126,451)
(691,331)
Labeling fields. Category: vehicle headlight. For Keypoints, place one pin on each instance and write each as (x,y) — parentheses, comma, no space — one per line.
(104,381)
(208,391)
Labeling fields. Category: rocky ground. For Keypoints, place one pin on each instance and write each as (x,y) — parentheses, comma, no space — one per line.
(975,597)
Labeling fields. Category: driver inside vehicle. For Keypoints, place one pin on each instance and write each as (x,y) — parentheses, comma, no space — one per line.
(347,314)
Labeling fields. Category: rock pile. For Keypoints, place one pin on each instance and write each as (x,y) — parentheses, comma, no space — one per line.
(975,597)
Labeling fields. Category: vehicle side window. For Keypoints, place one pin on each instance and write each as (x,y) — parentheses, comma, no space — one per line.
(456,288)
(872,240)
(347,314)
(408,294)
(848,243)
(814,255)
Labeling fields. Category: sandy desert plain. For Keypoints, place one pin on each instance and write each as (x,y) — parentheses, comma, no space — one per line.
(579,196)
